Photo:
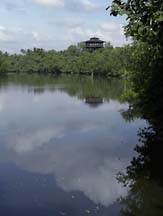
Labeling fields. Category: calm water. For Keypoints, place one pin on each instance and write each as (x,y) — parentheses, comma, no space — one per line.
(62,143)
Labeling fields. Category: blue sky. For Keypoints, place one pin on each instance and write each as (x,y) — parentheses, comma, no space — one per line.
(56,24)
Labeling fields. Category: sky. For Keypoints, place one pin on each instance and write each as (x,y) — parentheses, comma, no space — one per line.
(56,24)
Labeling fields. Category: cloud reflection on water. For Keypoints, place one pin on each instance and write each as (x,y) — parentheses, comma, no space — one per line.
(80,146)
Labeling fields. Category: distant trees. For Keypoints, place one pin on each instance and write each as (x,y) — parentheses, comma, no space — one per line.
(109,61)
(3,63)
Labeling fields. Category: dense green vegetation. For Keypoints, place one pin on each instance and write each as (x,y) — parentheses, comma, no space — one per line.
(145,26)
(74,60)
(144,174)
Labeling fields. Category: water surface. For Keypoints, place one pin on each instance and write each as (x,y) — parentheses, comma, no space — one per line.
(62,142)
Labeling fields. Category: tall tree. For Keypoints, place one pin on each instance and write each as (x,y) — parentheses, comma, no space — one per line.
(145,26)
(145,19)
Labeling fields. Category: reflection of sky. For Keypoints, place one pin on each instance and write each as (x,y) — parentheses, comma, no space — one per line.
(52,133)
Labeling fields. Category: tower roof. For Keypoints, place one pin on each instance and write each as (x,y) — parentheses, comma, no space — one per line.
(94,39)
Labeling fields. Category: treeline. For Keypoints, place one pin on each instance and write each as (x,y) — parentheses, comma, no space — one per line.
(108,61)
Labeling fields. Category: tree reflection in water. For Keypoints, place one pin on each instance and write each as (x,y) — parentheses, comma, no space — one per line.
(144,175)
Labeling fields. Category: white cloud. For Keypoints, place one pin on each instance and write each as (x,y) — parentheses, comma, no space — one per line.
(16,6)
(81,5)
(96,178)
(1,107)
(70,31)
(35,35)
(68,22)
(111,32)
(40,37)
(89,5)
(88,167)
(54,3)
(14,39)
(31,141)
(109,26)
(5,35)
(64,141)
(115,32)
(2,103)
